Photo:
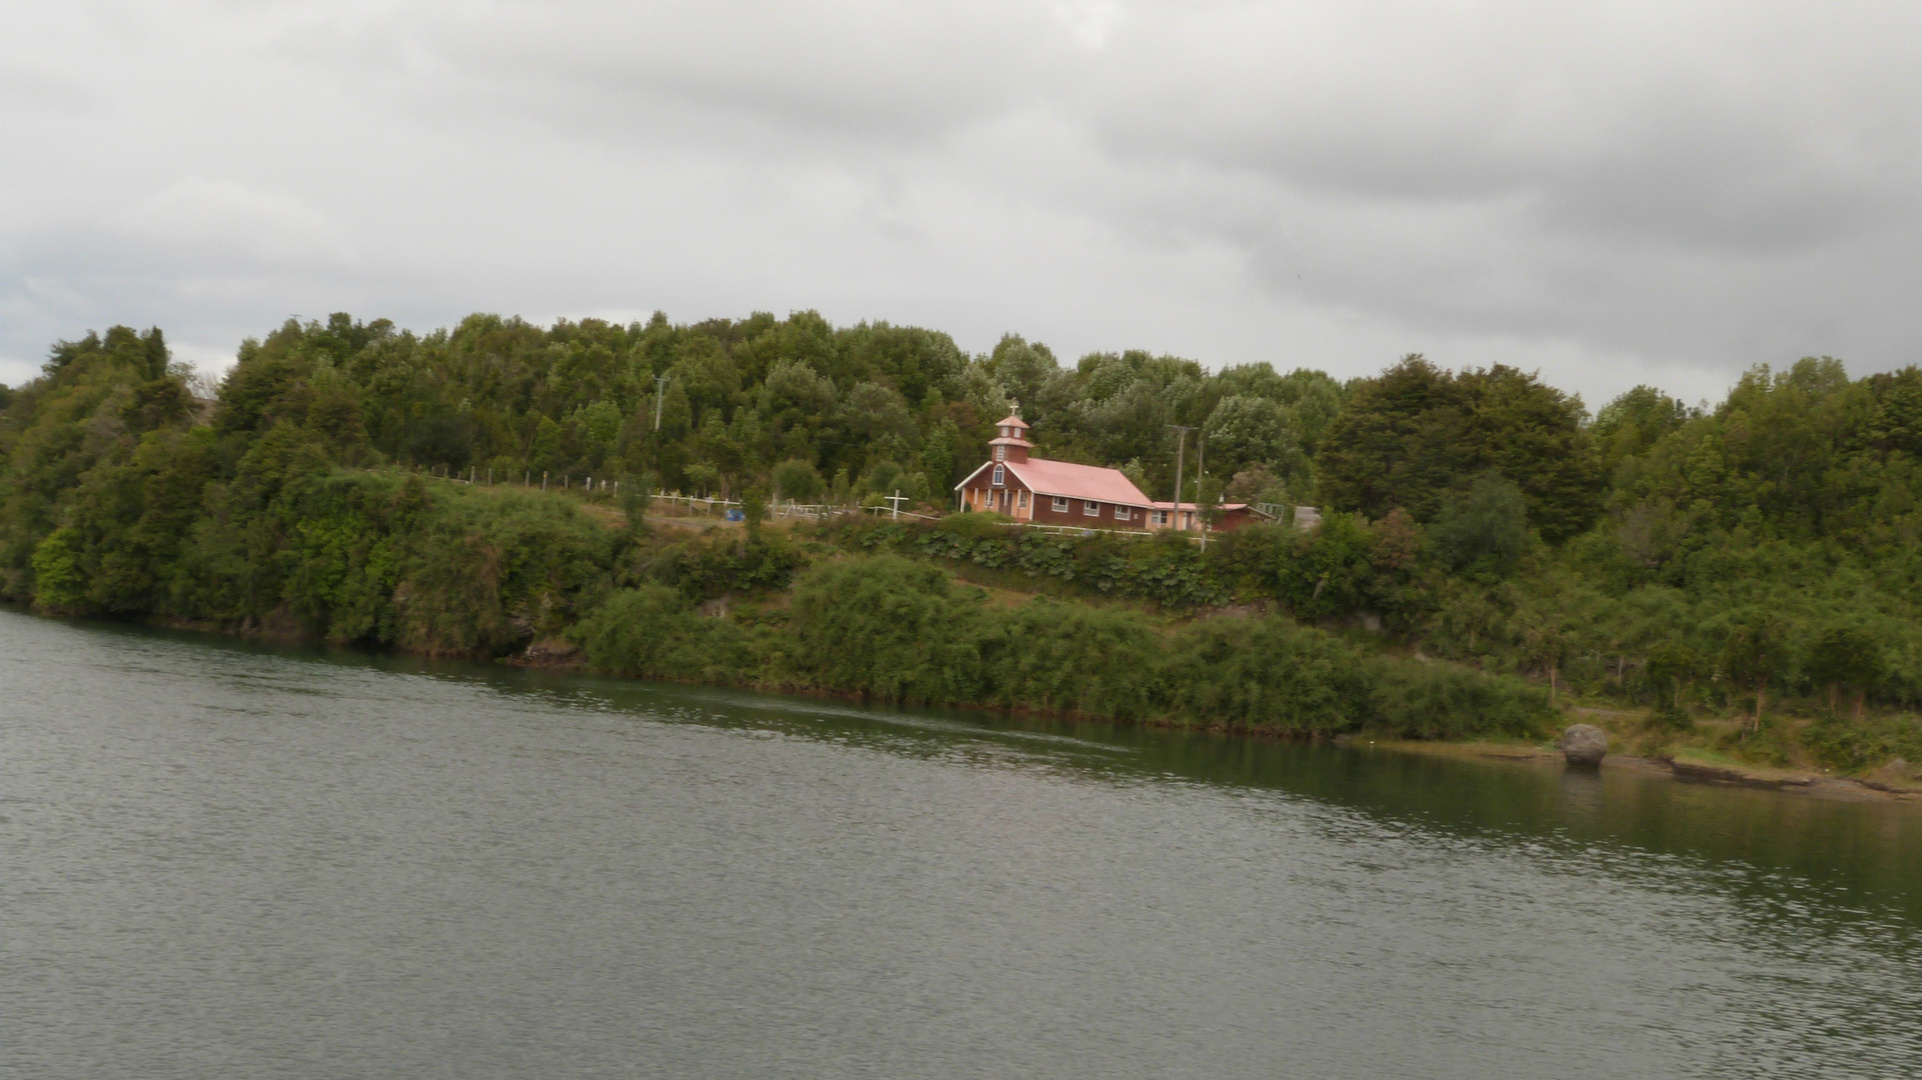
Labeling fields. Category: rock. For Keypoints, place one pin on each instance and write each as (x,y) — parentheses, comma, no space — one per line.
(1583,744)
(549,652)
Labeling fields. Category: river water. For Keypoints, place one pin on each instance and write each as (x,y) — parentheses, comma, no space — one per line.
(223,860)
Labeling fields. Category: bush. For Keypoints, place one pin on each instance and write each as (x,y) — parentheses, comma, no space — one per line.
(887,627)
(1328,572)
(654,632)
(1423,701)
(1075,659)
(1863,744)
(722,562)
(485,572)
(1265,675)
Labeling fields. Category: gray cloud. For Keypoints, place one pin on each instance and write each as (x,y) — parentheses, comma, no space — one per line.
(1630,192)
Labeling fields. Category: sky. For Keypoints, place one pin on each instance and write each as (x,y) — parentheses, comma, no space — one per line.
(1609,194)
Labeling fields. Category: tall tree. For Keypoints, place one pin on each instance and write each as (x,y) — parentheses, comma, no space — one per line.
(1416,435)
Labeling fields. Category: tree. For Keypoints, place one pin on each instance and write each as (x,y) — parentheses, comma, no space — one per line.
(1399,441)
(883,478)
(1897,421)
(636,493)
(1244,430)
(1633,422)
(796,481)
(702,477)
(1256,483)
(753,509)
(1670,667)
(937,452)
(1208,505)
(1484,531)
(59,581)
(1754,652)
(1546,639)
(1845,656)
(1022,370)
(1416,433)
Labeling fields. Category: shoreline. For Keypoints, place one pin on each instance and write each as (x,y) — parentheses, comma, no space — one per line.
(1682,768)
(561,657)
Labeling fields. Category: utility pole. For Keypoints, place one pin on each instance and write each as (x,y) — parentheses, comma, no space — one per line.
(1201,479)
(660,396)
(1181,450)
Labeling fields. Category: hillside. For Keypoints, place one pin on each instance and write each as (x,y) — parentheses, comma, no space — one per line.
(1743,575)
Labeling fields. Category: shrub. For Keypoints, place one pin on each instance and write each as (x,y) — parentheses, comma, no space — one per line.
(1433,701)
(887,627)
(1075,659)
(653,631)
(722,562)
(1266,675)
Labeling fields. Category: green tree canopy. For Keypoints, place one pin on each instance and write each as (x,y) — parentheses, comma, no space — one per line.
(1417,434)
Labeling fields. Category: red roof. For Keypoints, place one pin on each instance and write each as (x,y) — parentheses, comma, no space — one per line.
(1093,482)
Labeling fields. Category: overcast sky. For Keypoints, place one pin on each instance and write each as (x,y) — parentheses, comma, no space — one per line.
(1612,193)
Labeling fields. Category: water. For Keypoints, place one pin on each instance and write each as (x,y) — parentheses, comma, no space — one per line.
(219,860)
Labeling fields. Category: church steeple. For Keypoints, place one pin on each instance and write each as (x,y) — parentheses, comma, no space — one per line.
(1010,442)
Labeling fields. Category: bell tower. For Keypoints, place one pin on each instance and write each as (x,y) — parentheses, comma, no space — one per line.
(1011,439)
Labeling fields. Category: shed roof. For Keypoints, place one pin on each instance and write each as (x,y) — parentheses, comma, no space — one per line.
(1219,506)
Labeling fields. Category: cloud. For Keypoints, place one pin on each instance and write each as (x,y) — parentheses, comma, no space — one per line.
(232,224)
(1628,192)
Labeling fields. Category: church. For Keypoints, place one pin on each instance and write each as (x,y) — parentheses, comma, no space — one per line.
(1046,492)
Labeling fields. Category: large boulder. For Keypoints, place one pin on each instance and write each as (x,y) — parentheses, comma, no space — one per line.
(1584,744)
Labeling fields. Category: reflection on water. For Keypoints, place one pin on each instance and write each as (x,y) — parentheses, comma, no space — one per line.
(227,859)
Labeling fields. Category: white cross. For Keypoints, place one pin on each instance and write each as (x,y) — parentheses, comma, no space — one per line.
(897,499)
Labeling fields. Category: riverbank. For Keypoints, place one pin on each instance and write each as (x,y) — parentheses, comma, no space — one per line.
(1682,763)
(1685,766)
(559,654)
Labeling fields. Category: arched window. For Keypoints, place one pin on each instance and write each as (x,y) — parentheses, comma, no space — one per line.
(999,478)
